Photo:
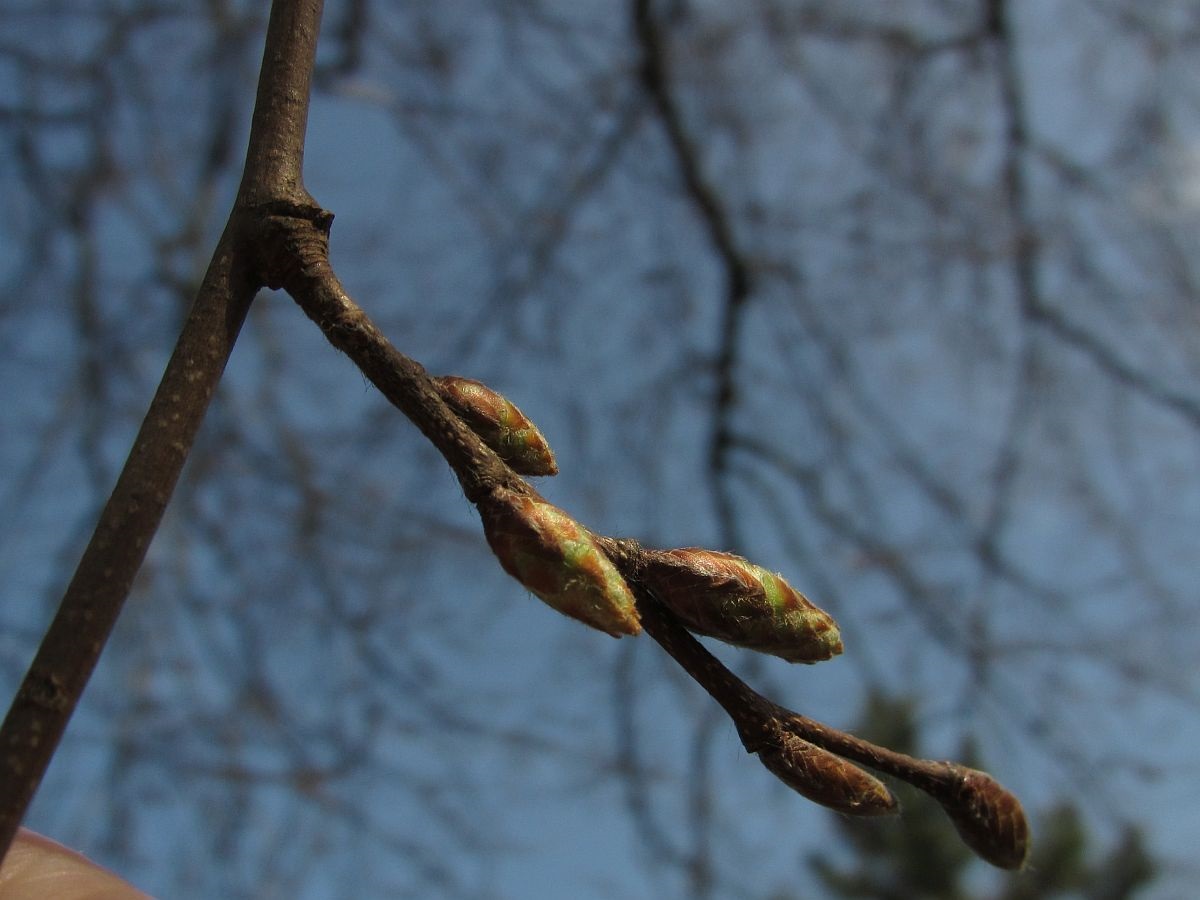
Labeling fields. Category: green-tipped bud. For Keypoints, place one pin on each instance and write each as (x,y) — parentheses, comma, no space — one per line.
(989,819)
(731,599)
(556,558)
(499,424)
(825,778)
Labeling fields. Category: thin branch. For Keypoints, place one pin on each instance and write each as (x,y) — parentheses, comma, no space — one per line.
(295,248)
(635,779)
(656,81)
(94,598)
(1109,360)
(988,818)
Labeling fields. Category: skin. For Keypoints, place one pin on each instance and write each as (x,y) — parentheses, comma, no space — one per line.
(37,868)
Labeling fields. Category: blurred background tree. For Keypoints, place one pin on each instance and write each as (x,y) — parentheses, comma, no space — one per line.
(898,299)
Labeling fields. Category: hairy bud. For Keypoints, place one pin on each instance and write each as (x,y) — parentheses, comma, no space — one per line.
(731,599)
(499,424)
(988,818)
(825,778)
(557,559)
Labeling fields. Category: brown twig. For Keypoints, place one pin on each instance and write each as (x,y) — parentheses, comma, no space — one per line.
(89,608)
(296,257)
(988,817)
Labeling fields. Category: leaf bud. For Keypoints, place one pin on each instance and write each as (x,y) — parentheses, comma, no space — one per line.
(988,818)
(825,778)
(499,424)
(558,560)
(729,598)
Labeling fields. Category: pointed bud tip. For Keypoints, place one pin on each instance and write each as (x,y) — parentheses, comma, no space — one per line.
(826,778)
(556,558)
(500,424)
(989,819)
(730,598)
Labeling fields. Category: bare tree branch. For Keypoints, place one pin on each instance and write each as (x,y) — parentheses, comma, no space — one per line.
(277,236)
(656,80)
(93,599)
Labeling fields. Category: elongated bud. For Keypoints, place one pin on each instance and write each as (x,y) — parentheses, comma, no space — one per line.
(989,819)
(731,599)
(499,424)
(556,558)
(825,778)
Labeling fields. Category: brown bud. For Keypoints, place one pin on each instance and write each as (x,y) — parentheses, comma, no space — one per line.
(557,559)
(825,778)
(731,599)
(989,819)
(499,424)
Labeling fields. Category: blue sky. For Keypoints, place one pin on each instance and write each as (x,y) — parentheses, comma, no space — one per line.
(320,594)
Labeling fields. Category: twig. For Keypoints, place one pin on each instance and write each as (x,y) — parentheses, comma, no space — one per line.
(94,598)
(988,818)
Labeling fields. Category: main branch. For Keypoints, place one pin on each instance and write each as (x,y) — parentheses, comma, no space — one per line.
(95,595)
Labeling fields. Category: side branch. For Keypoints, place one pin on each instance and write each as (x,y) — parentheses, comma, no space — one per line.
(296,258)
(811,757)
(987,817)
